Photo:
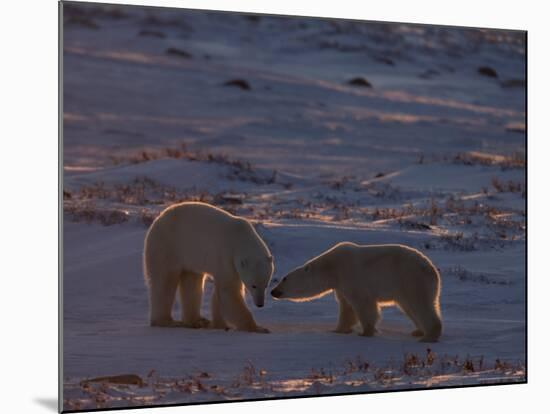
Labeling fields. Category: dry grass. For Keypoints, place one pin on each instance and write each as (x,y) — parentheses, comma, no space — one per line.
(89,212)
(147,217)
(515,160)
(100,11)
(356,365)
(431,215)
(142,200)
(239,170)
(251,377)
(509,186)
(505,162)
(412,371)
(465,275)
(457,241)
(382,190)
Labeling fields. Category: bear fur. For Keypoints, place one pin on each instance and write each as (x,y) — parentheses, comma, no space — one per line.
(367,277)
(188,241)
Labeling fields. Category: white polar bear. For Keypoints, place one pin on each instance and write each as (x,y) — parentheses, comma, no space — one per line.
(191,240)
(367,277)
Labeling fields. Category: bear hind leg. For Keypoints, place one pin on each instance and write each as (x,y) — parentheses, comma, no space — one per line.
(368,313)
(432,326)
(346,315)
(190,291)
(429,321)
(411,315)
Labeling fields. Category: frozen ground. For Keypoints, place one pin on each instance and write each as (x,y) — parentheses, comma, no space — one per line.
(432,155)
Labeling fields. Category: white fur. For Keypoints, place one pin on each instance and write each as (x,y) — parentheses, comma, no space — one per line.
(367,277)
(191,240)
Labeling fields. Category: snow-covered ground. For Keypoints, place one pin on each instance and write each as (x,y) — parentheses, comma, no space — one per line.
(431,155)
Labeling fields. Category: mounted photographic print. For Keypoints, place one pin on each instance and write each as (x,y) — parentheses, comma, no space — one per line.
(262,207)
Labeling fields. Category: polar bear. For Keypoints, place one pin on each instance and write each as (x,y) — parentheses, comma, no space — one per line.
(367,277)
(190,240)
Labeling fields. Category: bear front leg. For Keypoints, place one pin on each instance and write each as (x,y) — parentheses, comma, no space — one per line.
(162,292)
(234,309)
(190,288)
(346,315)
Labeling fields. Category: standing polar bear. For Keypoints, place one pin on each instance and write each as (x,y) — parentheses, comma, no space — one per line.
(191,240)
(367,277)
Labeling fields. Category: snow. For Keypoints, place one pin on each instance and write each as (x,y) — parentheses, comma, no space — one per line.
(424,158)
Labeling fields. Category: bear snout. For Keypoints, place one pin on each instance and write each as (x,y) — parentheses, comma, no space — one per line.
(258,299)
(276,293)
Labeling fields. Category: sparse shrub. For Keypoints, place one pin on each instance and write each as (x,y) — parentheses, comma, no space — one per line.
(411,363)
(430,357)
(321,374)
(468,365)
(487,71)
(239,83)
(174,51)
(340,183)
(515,160)
(147,217)
(384,190)
(498,186)
(360,81)
(413,369)
(357,365)
(457,241)
(464,275)
(410,224)
(508,186)
(239,170)
(434,212)
(88,212)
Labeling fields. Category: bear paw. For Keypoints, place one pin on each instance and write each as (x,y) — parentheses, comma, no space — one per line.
(218,325)
(198,324)
(368,332)
(261,329)
(169,323)
(342,331)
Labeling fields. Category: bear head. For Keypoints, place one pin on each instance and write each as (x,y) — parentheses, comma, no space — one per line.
(255,273)
(304,283)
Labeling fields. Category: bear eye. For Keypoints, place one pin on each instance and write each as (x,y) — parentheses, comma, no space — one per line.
(253,286)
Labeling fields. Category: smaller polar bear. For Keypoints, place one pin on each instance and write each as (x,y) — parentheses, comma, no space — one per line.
(188,241)
(367,277)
